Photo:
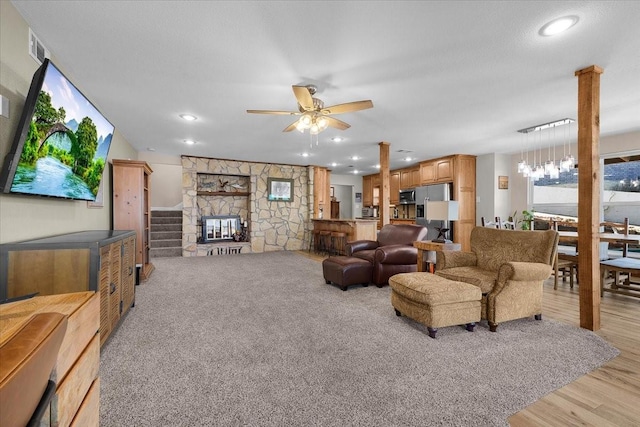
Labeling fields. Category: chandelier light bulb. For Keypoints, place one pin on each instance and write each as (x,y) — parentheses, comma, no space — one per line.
(548,167)
(521,165)
(555,173)
(313,130)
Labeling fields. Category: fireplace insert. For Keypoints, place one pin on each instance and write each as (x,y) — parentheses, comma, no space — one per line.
(219,228)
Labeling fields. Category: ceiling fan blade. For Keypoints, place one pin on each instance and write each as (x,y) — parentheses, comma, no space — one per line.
(291,127)
(347,107)
(338,124)
(288,113)
(304,97)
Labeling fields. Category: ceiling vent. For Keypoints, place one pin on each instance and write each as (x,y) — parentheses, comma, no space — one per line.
(37,49)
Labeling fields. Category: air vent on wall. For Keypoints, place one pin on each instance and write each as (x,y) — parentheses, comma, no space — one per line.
(37,49)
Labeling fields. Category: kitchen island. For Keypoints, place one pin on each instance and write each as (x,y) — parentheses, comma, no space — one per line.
(355,229)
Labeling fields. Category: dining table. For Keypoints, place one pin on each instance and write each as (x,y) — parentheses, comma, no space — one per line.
(631,239)
(619,265)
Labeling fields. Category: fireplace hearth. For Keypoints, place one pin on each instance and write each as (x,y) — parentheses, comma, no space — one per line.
(220,228)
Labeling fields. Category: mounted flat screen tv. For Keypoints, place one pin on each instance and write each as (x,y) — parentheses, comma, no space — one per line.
(61,143)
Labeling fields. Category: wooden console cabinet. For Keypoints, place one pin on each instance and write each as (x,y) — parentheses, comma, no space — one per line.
(100,260)
(76,401)
(132,206)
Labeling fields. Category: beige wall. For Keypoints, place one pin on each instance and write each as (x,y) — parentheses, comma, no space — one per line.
(166,179)
(26,217)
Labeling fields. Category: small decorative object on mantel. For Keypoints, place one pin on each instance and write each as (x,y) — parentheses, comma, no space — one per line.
(241,235)
(238,187)
(223,184)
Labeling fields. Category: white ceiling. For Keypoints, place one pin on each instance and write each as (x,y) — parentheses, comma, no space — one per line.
(444,77)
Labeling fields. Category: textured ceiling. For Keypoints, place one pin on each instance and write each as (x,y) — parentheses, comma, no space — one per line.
(444,77)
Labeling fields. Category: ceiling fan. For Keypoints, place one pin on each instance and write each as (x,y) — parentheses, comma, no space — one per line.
(314,115)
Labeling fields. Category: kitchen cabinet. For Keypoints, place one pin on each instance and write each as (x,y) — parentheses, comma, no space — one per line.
(436,171)
(321,191)
(394,188)
(367,191)
(409,178)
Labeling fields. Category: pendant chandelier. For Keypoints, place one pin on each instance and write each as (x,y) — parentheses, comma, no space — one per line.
(549,168)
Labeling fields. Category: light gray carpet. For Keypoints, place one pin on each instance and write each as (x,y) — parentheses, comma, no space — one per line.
(261,340)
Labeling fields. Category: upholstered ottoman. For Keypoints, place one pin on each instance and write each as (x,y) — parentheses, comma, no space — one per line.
(435,301)
(344,271)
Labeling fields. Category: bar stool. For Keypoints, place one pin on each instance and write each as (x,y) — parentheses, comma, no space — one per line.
(313,240)
(338,240)
(325,241)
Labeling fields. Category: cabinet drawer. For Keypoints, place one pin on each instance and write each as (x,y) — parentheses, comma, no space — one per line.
(72,390)
(82,326)
(89,413)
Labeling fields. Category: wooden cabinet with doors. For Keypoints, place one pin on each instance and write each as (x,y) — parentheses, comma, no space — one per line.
(132,206)
(367,190)
(409,177)
(436,171)
(463,173)
(321,192)
(394,188)
(99,260)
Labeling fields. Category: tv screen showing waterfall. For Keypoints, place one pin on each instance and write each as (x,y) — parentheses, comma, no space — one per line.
(61,144)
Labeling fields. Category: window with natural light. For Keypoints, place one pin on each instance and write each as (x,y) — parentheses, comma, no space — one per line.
(620,193)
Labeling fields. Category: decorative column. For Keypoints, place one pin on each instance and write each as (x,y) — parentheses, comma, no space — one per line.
(589,178)
(384,183)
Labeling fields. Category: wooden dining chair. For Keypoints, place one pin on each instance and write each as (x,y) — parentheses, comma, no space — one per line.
(509,224)
(493,224)
(566,265)
(617,228)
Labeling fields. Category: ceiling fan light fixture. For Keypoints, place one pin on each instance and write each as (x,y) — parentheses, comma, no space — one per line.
(306,120)
(322,123)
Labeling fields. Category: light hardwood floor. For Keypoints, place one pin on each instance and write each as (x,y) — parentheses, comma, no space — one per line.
(608,396)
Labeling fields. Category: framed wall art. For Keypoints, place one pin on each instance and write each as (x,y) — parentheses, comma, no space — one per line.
(280,189)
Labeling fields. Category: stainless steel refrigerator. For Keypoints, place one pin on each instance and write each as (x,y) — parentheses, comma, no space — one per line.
(437,193)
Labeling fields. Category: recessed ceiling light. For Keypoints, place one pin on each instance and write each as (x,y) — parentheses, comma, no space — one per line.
(334,164)
(305,154)
(407,159)
(377,166)
(355,158)
(188,117)
(337,139)
(189,141)
(151,149)
(355,171)
(558,25)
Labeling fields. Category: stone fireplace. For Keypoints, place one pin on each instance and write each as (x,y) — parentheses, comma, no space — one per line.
(214,188)
(220,228)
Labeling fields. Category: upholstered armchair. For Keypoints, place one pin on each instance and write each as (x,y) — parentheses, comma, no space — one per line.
(509,267)
(392,253)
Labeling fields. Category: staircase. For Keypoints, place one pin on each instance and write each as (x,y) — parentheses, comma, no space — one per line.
(166,233)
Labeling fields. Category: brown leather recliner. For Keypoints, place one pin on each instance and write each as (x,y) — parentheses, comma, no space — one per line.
(392,253)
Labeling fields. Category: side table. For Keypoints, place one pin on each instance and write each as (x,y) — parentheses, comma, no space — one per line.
(429,245)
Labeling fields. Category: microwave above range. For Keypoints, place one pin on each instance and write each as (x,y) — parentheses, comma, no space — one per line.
(408,196)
